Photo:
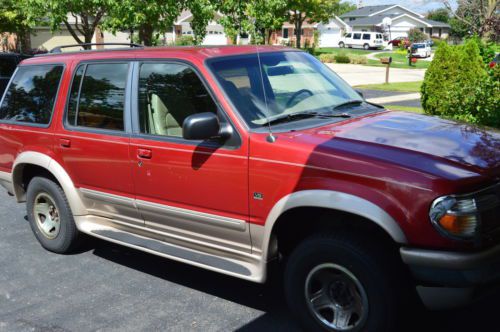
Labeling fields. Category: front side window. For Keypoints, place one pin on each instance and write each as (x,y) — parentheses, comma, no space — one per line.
(31,96)
(97,96)
(357,36)
(348,35)
(279,83)
(7,66)
(168,94)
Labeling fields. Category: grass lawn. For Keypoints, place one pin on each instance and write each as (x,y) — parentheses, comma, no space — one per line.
(336,50)
(404,108)
(402,86)
(399,61)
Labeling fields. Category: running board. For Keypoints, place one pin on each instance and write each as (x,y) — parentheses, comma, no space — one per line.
(100,228)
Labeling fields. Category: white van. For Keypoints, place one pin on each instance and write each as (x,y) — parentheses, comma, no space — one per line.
(362,39)
(421,50)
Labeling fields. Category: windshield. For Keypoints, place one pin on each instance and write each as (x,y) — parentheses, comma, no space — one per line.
(291,82)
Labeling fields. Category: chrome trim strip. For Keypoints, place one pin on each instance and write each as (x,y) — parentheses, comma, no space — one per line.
(110,198)
(190,215)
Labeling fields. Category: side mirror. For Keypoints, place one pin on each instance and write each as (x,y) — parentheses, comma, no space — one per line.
(201,126)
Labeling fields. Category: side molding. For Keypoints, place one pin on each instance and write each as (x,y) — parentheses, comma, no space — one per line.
(42,160)
(330,200)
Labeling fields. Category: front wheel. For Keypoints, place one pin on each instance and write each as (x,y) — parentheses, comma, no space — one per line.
(366,47)
(339,283)
(50,216)
(341,45)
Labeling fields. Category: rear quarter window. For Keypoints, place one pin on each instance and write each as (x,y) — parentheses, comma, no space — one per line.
(31,95)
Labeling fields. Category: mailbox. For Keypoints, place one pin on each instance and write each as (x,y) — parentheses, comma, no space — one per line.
(386,60)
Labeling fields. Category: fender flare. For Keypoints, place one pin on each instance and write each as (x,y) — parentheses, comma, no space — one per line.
(53,167)
(334,200)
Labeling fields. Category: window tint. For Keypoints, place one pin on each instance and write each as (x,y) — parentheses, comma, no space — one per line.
(348,35)
(7,66)
(366,36)
(168,93)
(101,101)
(31,95)
(357,36)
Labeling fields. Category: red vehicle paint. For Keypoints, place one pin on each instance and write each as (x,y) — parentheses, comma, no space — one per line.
(389,166)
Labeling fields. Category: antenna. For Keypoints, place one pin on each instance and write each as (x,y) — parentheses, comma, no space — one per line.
(271,138)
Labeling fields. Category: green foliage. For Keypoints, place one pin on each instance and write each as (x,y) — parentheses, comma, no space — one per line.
(358,59)
(342,58)
(415,35)
(327,57)
(459,85)
(13,19)
(440,15)
(344,7)
(184,41)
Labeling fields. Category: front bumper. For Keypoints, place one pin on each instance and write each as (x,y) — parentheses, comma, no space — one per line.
(446,279)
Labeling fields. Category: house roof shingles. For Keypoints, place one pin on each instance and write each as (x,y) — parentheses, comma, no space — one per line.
(377,19)
(365,11)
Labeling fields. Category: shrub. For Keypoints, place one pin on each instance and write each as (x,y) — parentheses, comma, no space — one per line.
(342,58)
(458,85)
(359,59)
(415,35)
(184,41)
(327,57)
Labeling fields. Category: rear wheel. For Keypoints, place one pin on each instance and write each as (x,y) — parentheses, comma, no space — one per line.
(366,46)
(50,216)
(339,283)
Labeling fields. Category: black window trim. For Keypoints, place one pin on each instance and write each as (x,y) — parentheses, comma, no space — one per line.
(233,143)
(30,124)
(127,128)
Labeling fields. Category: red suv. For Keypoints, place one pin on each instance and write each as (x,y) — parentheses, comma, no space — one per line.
(231,158)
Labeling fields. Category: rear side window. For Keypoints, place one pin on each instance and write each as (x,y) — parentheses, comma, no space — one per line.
(366,36)
(97,96)
(31,96)
(7,66)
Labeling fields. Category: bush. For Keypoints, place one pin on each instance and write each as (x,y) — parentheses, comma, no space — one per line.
(327,57)
(458,84)
(415,35)
(342,58)
(184,41)
(359,59)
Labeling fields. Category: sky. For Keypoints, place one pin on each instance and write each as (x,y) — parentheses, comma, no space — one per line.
(421,6)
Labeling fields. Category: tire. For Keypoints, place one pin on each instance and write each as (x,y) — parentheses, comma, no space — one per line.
(375,279)
(52,223)
(366,47)
(341,45)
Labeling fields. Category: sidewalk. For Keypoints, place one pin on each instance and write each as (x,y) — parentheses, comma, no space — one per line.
(359,74)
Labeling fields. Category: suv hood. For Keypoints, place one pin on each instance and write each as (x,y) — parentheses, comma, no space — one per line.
(470,147)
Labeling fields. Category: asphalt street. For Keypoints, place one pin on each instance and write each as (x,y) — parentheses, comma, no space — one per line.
(370,94)
(106,287)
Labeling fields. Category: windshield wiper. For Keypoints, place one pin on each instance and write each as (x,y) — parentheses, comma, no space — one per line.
(348,102)
(303,115)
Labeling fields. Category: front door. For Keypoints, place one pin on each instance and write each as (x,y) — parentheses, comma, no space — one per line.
(194,192)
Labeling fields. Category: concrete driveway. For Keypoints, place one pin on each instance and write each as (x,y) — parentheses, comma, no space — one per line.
(359,74)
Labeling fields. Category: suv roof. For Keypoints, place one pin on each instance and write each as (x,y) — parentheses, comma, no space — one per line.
(201,52)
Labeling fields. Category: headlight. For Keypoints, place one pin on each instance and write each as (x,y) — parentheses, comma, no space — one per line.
(455,217)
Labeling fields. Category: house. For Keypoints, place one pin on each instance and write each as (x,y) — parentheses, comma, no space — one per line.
(394,20)
(215,32)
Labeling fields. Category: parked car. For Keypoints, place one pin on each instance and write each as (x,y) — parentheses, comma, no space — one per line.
(235,158)
(399,40)
(421,50)
(365,40)
(8,63)
(495,60)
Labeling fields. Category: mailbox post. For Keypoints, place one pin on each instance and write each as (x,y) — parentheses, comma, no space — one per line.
(387,62)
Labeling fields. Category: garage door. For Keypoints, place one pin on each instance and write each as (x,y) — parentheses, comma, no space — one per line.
(215,38)
(329,37)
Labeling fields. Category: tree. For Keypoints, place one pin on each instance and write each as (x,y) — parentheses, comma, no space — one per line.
(476,17)
(149,18)
(440,15)
(86,15)
(13,20)
(203,13)
(344,7)
(312,11)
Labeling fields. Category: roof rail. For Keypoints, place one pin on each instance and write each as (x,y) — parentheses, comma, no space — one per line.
(58,49)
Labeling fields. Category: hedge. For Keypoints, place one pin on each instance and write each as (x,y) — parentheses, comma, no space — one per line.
(459,84)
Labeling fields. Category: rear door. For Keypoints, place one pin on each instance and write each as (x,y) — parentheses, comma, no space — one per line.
(93,142)
(356,39)
(194,191)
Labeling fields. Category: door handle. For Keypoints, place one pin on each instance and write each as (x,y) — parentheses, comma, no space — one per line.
(144,153)
(64,142)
